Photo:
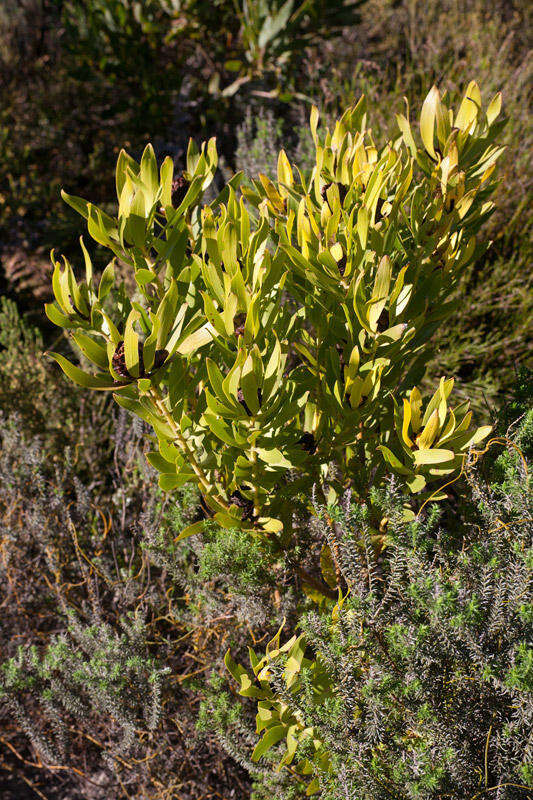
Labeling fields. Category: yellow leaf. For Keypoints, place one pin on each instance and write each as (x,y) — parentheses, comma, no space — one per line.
(284,173)
(470,105)
(427,437)
(427,120)
(495,106)
(406,421)
(415,401)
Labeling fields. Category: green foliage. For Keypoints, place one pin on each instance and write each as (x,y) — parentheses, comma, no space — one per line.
(236,556)
(88,665)
(262,344)
(94,636)
(396,50)
(417,684)
(409,671)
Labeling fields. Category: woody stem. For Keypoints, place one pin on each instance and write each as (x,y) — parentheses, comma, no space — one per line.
(182,443)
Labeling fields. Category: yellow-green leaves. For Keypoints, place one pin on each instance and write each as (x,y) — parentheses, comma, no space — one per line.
(262,335)
(428,116)
(278,721)
(469,108)
(432,444)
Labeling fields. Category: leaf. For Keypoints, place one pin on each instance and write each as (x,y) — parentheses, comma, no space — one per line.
(441,395)
(77,203)
(166,176)
(148,172)
(429,433)
(168,483)
(144,276)
(160,463)
(92,350)
(468,110)
(481,434)
(196,340)
(131,346)
(405,128)
(393,461)
(427,120)
(191,530)
(415,401)
(270,738)
(274,24)
(406,423)
(495,106)
(285,175)
(82,378)
(273,457)
(380,293)
(432,456)
(221,431)
(416,484)
(88,264)
(362,226)
(55,316)
(106,281)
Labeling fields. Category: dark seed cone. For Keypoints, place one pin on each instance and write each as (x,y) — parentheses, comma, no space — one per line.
(118,362)
(308,443)
(180,187)
(160,356)
(383,321)
(246,505)
(343,191)
(342,265)
(238,324)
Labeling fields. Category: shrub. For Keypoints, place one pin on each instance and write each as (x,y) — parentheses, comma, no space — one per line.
(90,628)
(267,334)
(418,683)
(274,342)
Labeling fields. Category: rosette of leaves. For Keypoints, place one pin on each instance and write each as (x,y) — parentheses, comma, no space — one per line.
(267,332)
(433,441)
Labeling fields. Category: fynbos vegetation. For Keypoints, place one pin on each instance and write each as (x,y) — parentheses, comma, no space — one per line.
(265,440)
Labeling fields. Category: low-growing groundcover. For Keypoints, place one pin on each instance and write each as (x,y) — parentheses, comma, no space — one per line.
(273,342)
